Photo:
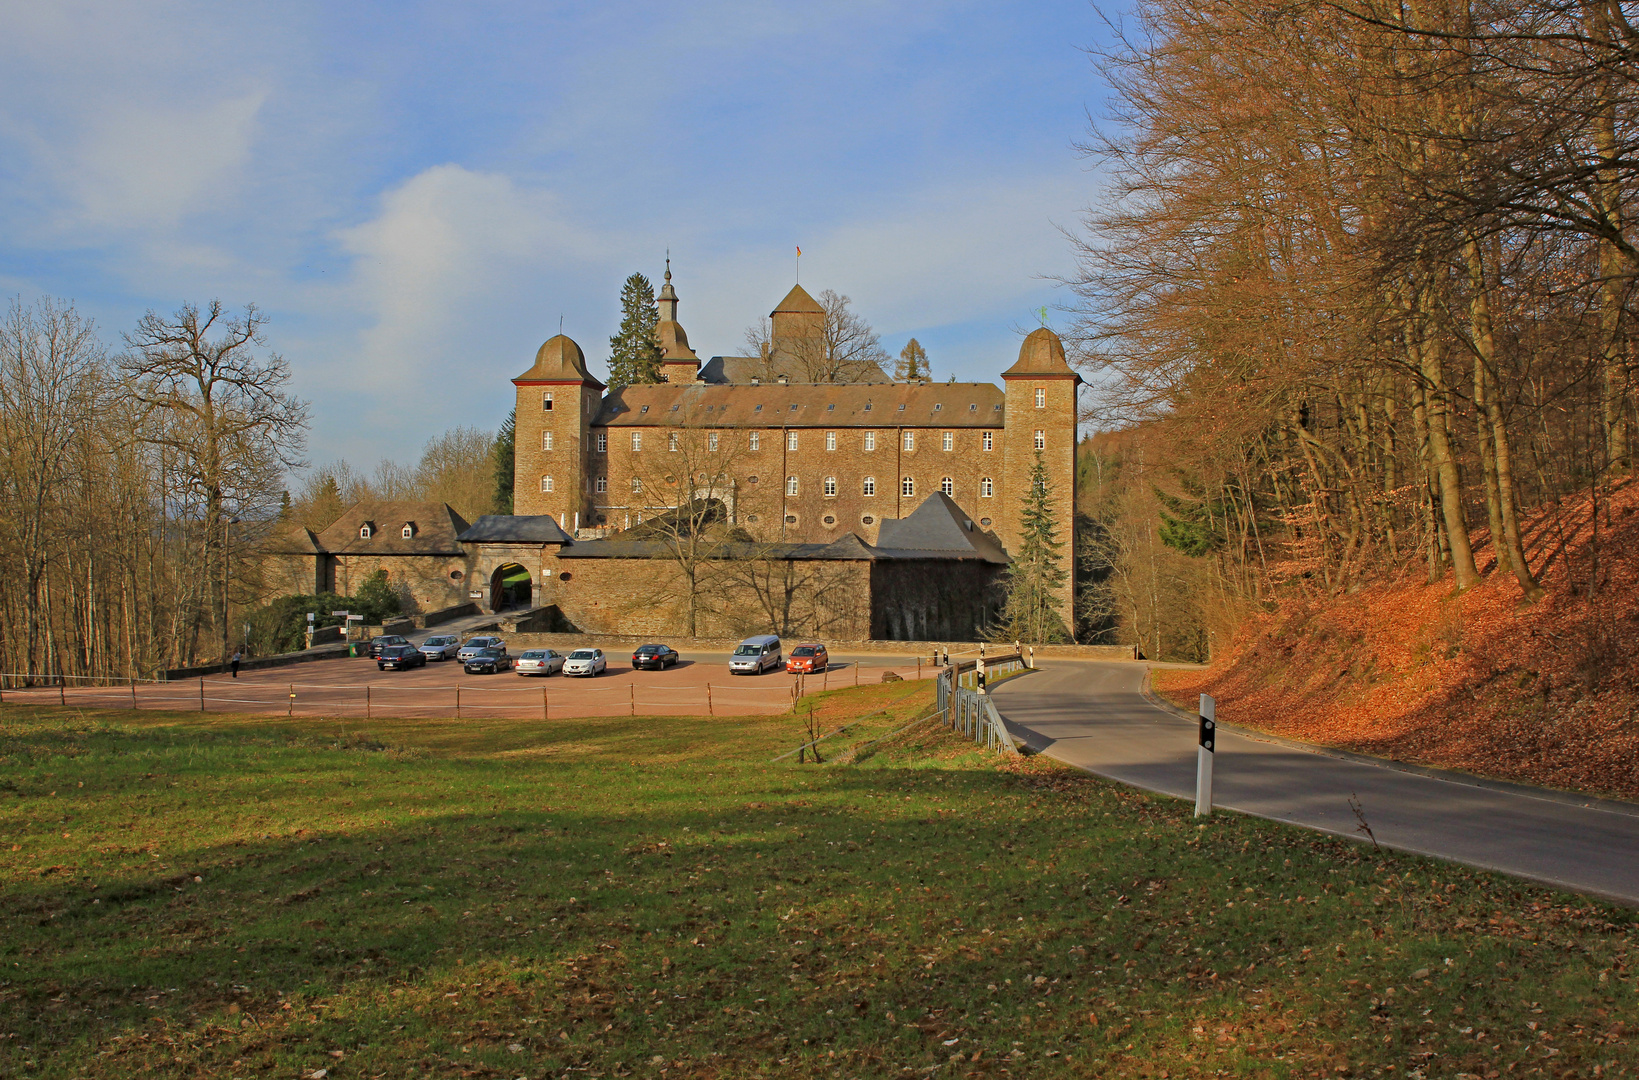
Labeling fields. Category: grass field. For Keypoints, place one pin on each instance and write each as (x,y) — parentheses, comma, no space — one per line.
(186,895)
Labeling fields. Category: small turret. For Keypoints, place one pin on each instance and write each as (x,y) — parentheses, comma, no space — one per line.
(678,363)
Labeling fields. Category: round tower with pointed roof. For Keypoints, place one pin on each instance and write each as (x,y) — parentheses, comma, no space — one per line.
(1039,414)
(557,398)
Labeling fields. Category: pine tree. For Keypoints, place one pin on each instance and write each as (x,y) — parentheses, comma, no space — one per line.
(634,353)
(504,457)
(913,362)
(1037,574)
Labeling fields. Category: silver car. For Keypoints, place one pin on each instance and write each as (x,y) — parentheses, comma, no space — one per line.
(441,647)
(476,645)
(538,662)
(585,662)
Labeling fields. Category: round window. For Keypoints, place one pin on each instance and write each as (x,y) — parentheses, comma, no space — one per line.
(565,576)
(791,519)
(752,518)
(867,520)
(829,520)
(456,575)
(985,522)
(751,479)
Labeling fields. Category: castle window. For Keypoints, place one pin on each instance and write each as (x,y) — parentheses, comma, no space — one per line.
(671,442)
(831,407)
(711,442)
(867,520)
(870,440)
(791,485)
(1041,440)
(867,406)
(910,440)
(408,531)
(989,441)
(791,519)
(996,407)
(947,486)
(365,531)
(752,479)
(830,440)
(758,408)
(602,483)
(546,483)
(637,486)
(757,438)
(603,442)
(793,406)
(546,440)
(829,520)
(546,401)
(643,410)
(987,488)
(907,487)
(869,487)
(984,522)
(948,441)
(674,408)
(901,406)
(791,440)
(830,486)
(938,406)
(973,408)
(1041,397)
(637,440)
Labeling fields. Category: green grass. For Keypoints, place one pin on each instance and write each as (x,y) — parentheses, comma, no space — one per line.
(186,895)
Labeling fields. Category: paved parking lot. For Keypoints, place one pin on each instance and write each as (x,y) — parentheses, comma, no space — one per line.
(699,685)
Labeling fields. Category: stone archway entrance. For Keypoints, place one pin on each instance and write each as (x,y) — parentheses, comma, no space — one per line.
(510,587)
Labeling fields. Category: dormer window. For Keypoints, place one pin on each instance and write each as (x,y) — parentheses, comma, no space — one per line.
(366,531)
(408,531)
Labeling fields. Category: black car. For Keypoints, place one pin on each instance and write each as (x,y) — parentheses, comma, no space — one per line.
(385,641)
(659,657)
(487,662)
(399,657)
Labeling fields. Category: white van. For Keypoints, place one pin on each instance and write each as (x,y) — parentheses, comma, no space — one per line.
(755,655)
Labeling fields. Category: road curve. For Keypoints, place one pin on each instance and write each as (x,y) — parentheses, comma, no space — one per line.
(1093,715)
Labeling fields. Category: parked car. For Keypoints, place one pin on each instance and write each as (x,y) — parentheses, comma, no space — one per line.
(486,662)
(478,644)
(808,659)
(399,657)
(441,647)
(538,662)
(659,657)
(755,655)
(586,662)
(385,641)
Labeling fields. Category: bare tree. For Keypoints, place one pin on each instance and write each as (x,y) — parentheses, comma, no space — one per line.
(846,350)
(221,407)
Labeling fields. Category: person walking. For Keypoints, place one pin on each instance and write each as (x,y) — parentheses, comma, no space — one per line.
(234,663)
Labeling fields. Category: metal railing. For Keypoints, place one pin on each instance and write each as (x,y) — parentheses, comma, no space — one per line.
(972,714)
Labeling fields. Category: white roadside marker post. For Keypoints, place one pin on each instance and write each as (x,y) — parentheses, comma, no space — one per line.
(1203,756)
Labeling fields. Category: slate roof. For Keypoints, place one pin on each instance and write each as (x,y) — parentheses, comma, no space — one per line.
(437,529)
(804,405)
(846,547)
(1041,354)
(299,540)
(938,529)
(799,300)
(515,529)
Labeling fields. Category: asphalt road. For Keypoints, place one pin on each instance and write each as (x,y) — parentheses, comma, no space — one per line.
(1094,715)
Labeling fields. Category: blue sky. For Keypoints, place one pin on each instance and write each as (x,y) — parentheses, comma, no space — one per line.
(416,192)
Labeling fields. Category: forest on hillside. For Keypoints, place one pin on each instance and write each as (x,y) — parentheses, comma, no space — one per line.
(1358,301)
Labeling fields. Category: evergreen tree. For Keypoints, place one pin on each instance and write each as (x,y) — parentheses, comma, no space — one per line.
(1037,573)
(634,353)
(913,362)
(504,457)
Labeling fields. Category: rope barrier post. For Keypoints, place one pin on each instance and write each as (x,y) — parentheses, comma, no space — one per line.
(201,693)
(133,693)
(545,714)
(709,710)
(367,701)
(631,695)
(1203,756)
(290,710)
(62,694)
(458,702)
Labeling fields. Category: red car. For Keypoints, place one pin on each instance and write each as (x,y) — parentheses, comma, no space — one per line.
(808,659)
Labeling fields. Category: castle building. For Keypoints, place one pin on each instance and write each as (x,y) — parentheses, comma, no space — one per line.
(885,509)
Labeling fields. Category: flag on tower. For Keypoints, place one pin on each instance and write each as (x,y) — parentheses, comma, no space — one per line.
(799,253)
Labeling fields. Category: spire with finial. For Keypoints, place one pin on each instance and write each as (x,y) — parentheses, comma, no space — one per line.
(668,295)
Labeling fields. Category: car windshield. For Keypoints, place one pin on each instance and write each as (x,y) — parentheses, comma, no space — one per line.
(651,649)
(803,650)
(482,653)
(749,650)
(394,641)
(583,654)
(439,640)
(534,654)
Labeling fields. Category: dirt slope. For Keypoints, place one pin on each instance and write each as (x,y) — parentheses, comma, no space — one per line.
(1544,693)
